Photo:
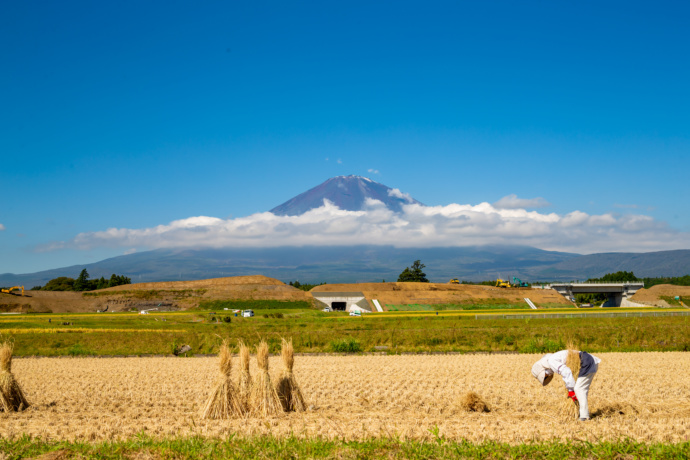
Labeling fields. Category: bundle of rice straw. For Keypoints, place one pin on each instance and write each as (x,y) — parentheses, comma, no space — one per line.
(288,390)
(472,402)
(570,408)
(263,399)
(245,377)
(223,402)
(11,395)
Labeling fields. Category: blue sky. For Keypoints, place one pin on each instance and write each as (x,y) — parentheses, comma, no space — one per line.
(132,115)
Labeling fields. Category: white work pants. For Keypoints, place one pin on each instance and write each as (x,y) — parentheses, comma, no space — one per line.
(582,390)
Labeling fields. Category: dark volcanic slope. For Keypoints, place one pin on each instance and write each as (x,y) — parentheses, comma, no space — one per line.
(309,264)
(647,264)
(346,192)
(351,264)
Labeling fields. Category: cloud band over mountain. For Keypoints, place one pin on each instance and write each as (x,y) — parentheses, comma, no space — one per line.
(415,226)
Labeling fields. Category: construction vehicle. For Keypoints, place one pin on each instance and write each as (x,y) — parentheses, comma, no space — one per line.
(9,291)
(502,284)
(517,282)
(454,281)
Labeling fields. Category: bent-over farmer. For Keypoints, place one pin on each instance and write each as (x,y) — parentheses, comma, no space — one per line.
(554,363)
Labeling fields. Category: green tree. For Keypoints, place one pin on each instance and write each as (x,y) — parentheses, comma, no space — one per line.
(675,280)
(413,274)
(82,282)
(618,277)
(118,280)
(61,283)
(102,283)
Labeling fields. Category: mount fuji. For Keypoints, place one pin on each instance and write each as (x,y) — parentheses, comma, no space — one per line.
(349,193)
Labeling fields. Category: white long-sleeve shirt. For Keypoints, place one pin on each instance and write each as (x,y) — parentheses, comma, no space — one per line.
(556,362)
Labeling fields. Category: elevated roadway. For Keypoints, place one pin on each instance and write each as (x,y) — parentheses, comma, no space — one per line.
(616,292)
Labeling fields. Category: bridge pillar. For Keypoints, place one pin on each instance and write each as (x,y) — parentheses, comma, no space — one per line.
(615,299)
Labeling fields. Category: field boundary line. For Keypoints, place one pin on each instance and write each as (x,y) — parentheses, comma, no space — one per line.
(586,315)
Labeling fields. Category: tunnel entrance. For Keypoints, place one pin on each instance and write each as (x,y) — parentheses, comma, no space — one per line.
(338,306)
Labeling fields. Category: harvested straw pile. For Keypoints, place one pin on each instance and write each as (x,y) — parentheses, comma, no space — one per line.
(11,396)
(223,402)
(245,377)
(288,391)
(472,402)
(570,408)
(615,409)
(263,399)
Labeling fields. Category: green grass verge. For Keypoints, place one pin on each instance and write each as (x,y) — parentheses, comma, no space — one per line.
(452,306)
(487,304)
(316,331)
(148,294)
(437,447)
(672,300)
(221,305)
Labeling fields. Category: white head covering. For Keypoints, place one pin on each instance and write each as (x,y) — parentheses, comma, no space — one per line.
(539,373)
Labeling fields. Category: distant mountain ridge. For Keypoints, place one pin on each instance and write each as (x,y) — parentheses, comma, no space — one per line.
(346,192)
(345,264)
(646,264)
(367,264)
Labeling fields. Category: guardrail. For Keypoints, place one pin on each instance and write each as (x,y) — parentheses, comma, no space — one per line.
(633,314)
(581,283)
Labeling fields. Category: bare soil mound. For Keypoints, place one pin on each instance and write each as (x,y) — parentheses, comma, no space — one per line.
(169,294)
(234,282)
(655,293)
(437,293)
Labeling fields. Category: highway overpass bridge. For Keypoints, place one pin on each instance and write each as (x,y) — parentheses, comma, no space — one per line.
(616,292)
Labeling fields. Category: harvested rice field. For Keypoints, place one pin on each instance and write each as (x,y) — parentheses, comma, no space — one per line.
(639,396)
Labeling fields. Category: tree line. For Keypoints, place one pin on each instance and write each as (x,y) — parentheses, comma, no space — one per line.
(304,287)
(623,276)
(82,283)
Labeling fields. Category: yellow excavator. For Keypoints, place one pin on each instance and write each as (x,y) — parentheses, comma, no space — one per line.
(502,284)
(9,290)
(454,281)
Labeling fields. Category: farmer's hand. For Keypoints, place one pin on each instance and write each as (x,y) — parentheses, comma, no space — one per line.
(571,395)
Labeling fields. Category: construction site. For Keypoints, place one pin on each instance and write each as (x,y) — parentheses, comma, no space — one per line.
(365,297)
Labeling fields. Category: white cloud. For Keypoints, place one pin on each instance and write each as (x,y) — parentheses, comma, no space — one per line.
(394,192)
(513,202)
(2,227)
(340,161)
(373,171)
(416,226)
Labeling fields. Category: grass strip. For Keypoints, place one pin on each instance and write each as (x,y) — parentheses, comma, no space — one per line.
(263,447)
(253,304)
(82,330)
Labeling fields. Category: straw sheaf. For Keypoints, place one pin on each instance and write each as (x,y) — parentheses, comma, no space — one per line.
(6,350)
(289,391)
(224,401)
(263,400)
(11,394)
(245,384)
(225,358)
(244,356)
(288,354)
(573,362)
(262,356)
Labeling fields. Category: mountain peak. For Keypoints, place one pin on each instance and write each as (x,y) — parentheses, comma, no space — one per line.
(346,192)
